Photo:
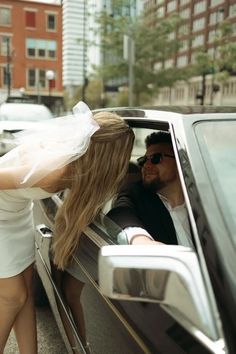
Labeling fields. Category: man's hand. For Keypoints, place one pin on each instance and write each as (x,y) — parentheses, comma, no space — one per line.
(143,240)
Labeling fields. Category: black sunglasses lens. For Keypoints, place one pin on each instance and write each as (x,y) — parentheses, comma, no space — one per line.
(155,159)
(141,160)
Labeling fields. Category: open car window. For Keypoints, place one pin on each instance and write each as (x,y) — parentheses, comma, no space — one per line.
(112,232)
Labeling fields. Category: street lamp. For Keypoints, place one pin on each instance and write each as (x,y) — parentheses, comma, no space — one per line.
(8,70)
(49,76)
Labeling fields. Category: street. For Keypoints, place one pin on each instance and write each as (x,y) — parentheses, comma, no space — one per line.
(49,339)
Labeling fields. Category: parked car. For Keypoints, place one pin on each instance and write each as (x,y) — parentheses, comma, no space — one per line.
(172,299)
(15,117)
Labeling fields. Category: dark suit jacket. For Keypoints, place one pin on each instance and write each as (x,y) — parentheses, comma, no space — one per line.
(135,206)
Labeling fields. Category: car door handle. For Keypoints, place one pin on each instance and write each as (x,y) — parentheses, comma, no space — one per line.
(44,231)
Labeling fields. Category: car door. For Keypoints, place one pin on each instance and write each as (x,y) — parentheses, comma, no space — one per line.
(89,320)
(86,319)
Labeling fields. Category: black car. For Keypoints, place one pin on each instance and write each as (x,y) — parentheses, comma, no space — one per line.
(172,299)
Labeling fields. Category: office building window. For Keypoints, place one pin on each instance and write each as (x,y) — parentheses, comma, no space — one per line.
(5,76)
(31,78)
(171,6)
(51,22)
(210,52)
(183,2)
(40,48)
(182,61)
(5,41)
(216,2)
(52,47)
(30,19)
(185,14)
(171,36)
(199,7)
(169,63)
(166,94)
(36,78)
(5,16)
(42,78)
(234,28)
(179,93)
(31,47)
(198,24)
(232,10)
(198,41)
(161,11)
(184,30)
(216,17)
(158,66)
(213,35)
(184,45)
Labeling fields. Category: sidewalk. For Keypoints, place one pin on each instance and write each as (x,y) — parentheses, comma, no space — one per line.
(49,339)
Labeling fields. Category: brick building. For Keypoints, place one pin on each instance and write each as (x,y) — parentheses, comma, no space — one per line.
(31,51)
(200,25)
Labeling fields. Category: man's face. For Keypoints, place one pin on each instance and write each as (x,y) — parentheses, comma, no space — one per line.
(161,175)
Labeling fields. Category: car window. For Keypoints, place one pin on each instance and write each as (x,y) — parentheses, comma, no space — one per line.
(111,231)
(139,142)
(217,144)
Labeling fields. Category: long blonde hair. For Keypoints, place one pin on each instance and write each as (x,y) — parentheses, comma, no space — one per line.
(94,179)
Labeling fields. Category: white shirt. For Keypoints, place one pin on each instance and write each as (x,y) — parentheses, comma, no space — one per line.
(180,220)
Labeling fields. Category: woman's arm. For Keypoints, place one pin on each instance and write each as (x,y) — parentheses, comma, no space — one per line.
(13,177)
(10,177)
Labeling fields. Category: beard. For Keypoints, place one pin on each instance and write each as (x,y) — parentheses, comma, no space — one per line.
(153,185)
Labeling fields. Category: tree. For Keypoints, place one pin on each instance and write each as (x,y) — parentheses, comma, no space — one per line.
(223,61)
(153,43)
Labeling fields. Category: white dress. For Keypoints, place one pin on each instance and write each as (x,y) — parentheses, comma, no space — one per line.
(17,229)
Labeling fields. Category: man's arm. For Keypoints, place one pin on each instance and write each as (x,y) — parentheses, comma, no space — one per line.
(125,214)
(125,209)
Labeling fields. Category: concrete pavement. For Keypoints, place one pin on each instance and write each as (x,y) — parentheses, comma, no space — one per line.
(49,339)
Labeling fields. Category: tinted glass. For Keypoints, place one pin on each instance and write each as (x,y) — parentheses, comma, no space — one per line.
(217,142)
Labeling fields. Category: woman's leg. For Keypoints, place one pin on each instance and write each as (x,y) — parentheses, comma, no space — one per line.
(13,296)
(25,322)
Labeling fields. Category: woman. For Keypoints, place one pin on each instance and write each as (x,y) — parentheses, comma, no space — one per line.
(88,156)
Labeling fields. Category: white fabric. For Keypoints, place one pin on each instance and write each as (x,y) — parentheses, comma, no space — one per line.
(180,220)
(17,229)
(51,145)
(131,231)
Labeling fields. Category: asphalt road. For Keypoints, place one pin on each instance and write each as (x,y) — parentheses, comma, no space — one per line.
(49,339)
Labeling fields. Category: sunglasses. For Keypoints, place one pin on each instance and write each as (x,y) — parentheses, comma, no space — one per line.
(154,159)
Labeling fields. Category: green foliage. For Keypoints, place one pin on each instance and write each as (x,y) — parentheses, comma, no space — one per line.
(223,62)
(153,43)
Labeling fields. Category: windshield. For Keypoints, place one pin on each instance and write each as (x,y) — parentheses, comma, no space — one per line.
(217,142)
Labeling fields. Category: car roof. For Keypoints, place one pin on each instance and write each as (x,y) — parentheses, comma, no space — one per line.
(24,111)
(183,110)
(172,114)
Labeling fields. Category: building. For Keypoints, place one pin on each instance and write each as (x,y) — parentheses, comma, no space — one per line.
(31,51)
(201,19)
(74,46)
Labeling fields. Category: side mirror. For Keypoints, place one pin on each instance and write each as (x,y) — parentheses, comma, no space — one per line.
(168,275)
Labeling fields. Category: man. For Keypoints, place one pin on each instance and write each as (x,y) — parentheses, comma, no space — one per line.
(153,209)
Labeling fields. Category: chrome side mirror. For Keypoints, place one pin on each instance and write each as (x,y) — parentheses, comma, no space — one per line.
(168,275)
